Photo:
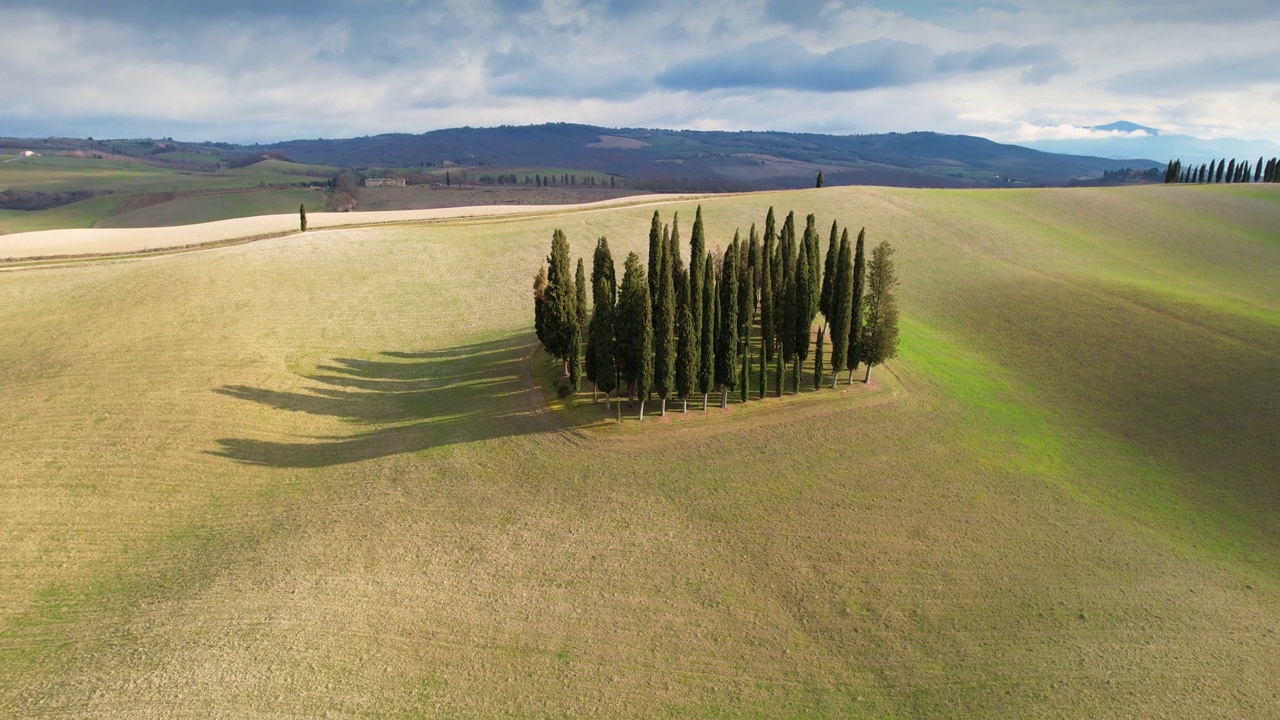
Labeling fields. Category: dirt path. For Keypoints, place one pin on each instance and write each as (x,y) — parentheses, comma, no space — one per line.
(88,242)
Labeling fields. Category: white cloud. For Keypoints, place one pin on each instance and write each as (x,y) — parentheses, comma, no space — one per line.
(1026,132)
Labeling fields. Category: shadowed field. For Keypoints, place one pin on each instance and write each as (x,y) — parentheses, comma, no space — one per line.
(314,476)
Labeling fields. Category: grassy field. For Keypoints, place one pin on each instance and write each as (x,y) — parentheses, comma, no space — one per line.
(259,184)
(216,206)
(314,476)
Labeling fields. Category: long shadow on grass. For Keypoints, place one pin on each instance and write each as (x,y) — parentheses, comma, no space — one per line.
(428,399)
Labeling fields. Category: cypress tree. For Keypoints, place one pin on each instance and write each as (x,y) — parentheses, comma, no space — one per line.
(1202,173)
(1168,172)
(601,365)
(777,374)
(821,180)
(753,262)
(1257,170)
(829,274)
(1231,171)
(302,216)
(766,316)
(813,255)
(697,253)
(635,324)
(686,337)
(856,309)
(706,365)
(746,318)
(678,274)
(880,335)
(842,304)
(817,359)
(1222,168)
(580,295)
(800,309)
(745,376)
(785,313)
(575,357)
(686,347)
(656,248)
(589,355)
(664,335)
(540,304)
(766,297)
(743,307)
(561,300)
(727,340)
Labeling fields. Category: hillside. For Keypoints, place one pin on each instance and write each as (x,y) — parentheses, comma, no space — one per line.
(732,160)
(313,476)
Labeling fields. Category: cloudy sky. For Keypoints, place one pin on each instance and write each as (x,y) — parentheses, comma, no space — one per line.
(263,70)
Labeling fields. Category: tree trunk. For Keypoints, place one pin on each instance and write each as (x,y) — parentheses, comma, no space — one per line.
(686,406)
(595,392)
(704,402)
(607,405)
(867,379)
(641,408)
(664,408)
(851,375)
(835,379)
(724,397)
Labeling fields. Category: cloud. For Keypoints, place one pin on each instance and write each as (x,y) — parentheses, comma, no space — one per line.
(1028,132)
(1212,73)
(782,63)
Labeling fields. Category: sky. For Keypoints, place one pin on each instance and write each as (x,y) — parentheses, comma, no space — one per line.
(262,70)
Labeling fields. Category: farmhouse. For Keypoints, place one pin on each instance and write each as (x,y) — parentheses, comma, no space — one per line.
(384,182)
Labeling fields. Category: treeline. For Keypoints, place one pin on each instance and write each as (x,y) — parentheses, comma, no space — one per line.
(15,199)
(729,318)
(1223,171)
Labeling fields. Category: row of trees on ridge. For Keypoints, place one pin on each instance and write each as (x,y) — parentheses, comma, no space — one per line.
(675,331)
(1220,171)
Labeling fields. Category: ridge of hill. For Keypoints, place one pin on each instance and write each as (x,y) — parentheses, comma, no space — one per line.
(734,160)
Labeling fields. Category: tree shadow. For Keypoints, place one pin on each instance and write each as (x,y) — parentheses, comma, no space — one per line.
(441,397)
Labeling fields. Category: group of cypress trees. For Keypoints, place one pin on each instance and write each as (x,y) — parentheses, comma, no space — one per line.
(1220,171)
(677,332)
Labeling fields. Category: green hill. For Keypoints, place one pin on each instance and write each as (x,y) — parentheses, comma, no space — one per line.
(313,476)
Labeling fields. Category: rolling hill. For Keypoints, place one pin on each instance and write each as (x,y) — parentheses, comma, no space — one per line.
(316,476)
(732,160)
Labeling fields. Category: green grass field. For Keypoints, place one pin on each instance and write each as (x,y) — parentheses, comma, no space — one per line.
(258,185)
(315,476)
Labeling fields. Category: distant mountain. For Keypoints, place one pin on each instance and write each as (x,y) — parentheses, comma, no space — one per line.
(1142,141)
(1125,126)
(718,160)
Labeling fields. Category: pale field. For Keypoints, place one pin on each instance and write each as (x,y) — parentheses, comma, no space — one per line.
(102,241)
(312,476)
